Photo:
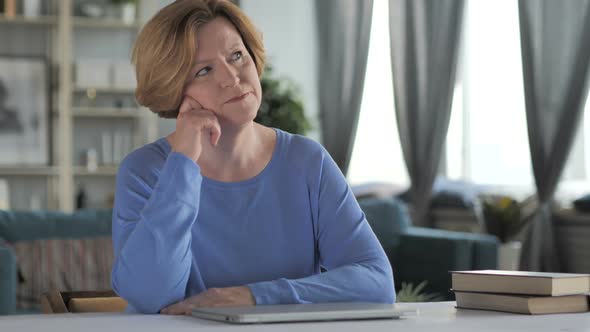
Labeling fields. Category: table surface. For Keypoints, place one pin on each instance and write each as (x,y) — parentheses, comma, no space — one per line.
(437,316)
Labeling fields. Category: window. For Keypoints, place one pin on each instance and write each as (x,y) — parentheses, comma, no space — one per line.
(487,142)
(488,111)
(377,154)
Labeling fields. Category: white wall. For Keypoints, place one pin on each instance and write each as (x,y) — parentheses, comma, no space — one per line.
(165,126)
(289,31)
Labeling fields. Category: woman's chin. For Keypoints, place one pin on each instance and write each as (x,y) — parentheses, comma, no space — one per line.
(239,118)
(240,114)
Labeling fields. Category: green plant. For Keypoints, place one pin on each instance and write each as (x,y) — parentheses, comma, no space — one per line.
(281,106)
(503,217)
(409,293)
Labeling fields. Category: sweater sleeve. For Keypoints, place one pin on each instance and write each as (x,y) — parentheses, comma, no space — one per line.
(357,269)
(152,219)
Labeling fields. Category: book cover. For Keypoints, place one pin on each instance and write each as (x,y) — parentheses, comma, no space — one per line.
(523,304)
(521,282)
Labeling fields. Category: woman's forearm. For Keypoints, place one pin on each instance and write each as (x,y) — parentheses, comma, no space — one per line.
(152,240)
(360,282)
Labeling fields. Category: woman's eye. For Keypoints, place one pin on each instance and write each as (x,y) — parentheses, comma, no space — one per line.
(203,71)
(236,56)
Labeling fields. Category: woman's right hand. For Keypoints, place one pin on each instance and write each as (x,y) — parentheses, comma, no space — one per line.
(195,126)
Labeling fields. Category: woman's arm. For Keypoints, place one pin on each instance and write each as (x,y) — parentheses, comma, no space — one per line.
(357,267)
(152,219)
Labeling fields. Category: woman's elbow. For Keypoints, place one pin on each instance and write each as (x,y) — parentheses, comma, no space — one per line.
(142,300)
(388,297)
(388,288)
(385,285)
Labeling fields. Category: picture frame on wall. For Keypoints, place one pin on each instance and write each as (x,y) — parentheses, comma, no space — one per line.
(24,111)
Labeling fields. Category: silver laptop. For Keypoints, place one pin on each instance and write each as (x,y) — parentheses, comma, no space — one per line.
(302,312)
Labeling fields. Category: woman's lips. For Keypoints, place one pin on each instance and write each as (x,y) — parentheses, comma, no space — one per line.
(238,98)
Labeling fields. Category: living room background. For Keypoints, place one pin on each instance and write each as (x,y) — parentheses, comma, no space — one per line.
(487,139)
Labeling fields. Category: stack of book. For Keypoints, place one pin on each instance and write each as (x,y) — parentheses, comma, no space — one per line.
(458,220)
(522,291)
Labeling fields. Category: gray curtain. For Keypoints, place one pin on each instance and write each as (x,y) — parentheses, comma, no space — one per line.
(343,42)
(425,38)
(555,41)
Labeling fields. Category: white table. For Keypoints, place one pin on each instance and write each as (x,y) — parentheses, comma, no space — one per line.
(431,317)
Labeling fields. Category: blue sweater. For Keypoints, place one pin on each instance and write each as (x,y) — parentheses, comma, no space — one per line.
(177,233)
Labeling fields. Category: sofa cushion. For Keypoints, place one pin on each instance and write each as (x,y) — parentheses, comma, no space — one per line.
(429,256)
(24,225)
(388,218)
(582,204)
(448,193)
(376,190)
(62,264)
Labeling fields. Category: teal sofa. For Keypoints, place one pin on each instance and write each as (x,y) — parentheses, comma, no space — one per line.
(416,254)
(421,254)
(83,236)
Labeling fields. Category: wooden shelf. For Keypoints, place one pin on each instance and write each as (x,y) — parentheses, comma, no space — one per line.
(82,22)
(61,29)
(105,112)
(28,170)
(23,20)
(105,23)
(100,171)
(100,91)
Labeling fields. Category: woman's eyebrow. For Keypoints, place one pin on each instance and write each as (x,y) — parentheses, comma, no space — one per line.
(233,46)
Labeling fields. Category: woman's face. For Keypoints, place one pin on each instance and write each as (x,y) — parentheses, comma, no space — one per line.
(224,78)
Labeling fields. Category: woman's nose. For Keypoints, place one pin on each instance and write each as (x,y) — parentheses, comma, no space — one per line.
(228,76)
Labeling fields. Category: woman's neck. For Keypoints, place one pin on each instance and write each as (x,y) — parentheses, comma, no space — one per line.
(241,153)
(235,144)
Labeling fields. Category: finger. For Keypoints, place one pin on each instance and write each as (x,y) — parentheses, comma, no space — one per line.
(189,104)
(179,308)
(215,132)
(184,308)
(173,309)
(166,311)
(184,106)
(194,103)
(210,125)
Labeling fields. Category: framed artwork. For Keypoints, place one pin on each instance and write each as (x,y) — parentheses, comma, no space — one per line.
(24,111)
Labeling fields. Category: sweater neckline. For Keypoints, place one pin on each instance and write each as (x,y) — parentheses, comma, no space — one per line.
(269,166)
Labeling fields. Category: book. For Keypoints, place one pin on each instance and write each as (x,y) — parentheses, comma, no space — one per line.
(4,195)
(455,219)
(467,226)
(521,282)
(523,304)
(10,8)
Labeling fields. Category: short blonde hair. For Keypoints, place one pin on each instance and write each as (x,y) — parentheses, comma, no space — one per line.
(165,50)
